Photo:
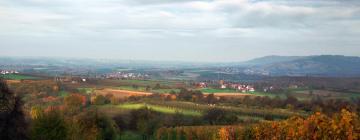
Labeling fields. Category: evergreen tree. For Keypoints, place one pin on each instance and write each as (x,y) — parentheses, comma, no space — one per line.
(12,121)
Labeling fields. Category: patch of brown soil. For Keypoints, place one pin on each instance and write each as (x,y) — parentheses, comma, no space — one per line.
(121,93)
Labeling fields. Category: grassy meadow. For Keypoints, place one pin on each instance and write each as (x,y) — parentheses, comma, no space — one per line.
(18,77)
(162,109)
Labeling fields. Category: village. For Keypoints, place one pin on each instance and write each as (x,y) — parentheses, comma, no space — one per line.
(4,72)
(229,85)
(125,75)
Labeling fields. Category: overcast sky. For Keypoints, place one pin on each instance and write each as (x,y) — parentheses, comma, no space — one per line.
(187,30)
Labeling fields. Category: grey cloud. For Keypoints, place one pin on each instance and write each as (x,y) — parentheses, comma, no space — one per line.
(203,26)
(267,14)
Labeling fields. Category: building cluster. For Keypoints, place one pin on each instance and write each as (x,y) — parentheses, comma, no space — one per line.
(239,87)
(202,85)
(125,75)
(8,72)
(268,89)
(224,85)
(71,79)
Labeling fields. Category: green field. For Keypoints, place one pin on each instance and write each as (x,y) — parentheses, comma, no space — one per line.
(86,90)
(164,90)
(18,77)
(129,135)
(63,93)
(162,109)
(212,90)
(141,88)
(131,88)
(144,83)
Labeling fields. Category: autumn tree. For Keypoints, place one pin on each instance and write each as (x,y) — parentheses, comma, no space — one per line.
(145,121)
(100,100)
(73,104)
(49,126)
(89,125)
(216,116)
(36,112)
(211,99)
(157,86)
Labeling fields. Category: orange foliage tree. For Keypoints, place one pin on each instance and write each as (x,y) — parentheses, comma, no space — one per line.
(344,125)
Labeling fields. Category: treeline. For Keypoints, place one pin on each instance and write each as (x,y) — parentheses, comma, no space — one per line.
(315,104)
(343,125)
(331,83)
(266,113)
(183,95)
(145,121)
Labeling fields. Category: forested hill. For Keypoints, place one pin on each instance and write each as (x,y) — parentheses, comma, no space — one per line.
(323,65)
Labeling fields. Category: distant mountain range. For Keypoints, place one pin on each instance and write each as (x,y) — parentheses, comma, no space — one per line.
(322,65)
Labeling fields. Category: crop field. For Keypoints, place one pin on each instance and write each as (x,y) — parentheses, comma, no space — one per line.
(212,90)
(144,83)
(131,88)
(233,92)
(121,93)
(143,89)
(18,77)
(86,90)
(162,109)
(165,90)
(241,111)
(63,93)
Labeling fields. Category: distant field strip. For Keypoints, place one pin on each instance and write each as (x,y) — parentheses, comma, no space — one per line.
(241,111)
(18,77)
(143,89)
(162,109)
(121,93)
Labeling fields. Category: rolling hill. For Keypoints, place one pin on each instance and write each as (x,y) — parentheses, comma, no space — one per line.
(322,65)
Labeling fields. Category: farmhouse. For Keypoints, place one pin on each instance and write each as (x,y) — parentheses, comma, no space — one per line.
(202,85)
(125,75)
(239,87)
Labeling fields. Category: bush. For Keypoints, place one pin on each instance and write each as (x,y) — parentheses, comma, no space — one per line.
(217,116)
(344,125)
(49,126)
(100,100)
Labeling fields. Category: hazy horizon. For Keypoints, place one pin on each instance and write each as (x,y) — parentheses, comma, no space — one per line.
(160,61)
(184,30)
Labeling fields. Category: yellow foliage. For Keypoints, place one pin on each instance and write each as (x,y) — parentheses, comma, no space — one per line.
(35,112)
(223,134)
(344,125)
